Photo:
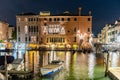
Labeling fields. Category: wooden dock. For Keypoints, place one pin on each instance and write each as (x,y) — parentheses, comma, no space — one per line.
(114,73)
(26,74)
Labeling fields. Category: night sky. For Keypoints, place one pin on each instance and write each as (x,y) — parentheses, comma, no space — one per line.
(103,11)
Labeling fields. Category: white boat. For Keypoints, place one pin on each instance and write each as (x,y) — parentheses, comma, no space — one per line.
(52,68)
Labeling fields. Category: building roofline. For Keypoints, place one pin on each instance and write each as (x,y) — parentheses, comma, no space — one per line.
(5,22)
(26,14)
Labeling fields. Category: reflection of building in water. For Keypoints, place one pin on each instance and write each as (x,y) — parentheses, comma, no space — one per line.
(91,65)
(47,29)
(32,61)
(114,59)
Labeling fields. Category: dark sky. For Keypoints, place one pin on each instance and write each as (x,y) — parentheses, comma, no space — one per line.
(103,11)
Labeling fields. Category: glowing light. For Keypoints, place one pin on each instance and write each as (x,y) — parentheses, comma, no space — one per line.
(115,59)
(90,40)
(75,46)
(81,36)
(19,54)
(85,34)
(2,46)
(91,64)
(45,29)
(33,38)
(2,76)
(78,32)
(53,46)
(51,29)
(62,30)
(51,56)
(26,29)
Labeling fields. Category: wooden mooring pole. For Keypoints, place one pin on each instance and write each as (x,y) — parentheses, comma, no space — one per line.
(6,71)
(107,65)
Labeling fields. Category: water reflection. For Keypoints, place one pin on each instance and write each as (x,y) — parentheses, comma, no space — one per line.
(91,65)
(115,59)
(77,66)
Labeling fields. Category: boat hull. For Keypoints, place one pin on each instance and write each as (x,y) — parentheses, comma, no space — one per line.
(9,59)
(49,71)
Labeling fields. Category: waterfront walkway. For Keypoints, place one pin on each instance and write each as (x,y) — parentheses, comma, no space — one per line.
(114,73)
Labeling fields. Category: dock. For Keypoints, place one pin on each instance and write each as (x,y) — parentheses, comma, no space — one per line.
(26,74)
(114,73)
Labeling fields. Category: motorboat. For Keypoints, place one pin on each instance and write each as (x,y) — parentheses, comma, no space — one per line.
(53,67)
(8,57)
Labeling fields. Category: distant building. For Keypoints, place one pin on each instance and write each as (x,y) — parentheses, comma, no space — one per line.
(95,40)
(3,30)
(63,30)
(6,31)
(110,33)
(11,31)
(28,28)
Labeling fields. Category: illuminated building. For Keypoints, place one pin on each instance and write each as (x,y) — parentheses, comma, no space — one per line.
(63,30)
(11,30)
(3,30)
(27,28)
(110,33)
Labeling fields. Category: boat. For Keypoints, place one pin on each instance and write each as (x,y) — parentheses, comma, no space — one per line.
(8,57)
(52,68)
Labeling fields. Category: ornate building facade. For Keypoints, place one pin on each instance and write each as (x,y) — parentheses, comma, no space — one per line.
(63,30)
(110,34)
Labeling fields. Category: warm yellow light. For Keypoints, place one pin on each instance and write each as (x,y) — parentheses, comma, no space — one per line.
(78,31)
(33,45)
(75,46)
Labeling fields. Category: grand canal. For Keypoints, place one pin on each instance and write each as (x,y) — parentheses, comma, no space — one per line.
(77,66)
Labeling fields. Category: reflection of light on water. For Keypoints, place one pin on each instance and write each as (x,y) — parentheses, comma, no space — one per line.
(67,60)
(20,48)
(91,64)
(51,56)
(114,59)
(32,57)
(36,62)
(55,58)
(26,61)
(19,54)
(2,76)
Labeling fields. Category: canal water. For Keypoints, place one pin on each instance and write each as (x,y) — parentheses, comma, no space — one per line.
(77,66)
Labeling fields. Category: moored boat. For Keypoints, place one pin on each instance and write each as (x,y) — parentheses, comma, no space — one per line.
(52,68)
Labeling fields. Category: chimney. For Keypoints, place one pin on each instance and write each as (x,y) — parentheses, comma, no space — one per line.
(79,11)
(89,13)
